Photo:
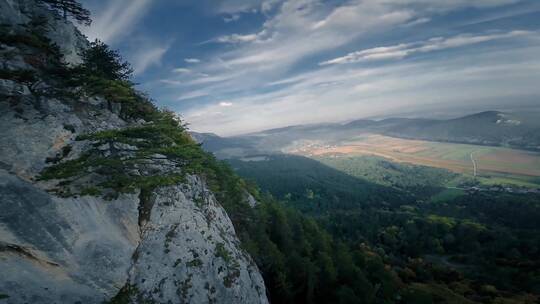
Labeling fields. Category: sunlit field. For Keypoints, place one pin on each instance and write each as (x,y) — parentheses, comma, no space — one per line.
(494,164)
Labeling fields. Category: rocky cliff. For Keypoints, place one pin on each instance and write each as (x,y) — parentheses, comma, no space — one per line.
(97,203)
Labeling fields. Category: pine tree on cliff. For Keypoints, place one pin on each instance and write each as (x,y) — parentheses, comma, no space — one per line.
(71,8)
(100,60)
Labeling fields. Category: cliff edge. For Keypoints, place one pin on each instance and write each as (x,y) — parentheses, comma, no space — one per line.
(104,198)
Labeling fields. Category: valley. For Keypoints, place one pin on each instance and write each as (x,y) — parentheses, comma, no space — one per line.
(490,148)
(446,214)
(490,165)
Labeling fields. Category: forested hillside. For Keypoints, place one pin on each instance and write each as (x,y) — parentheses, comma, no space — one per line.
(470,248)
(422,181)
(313,187)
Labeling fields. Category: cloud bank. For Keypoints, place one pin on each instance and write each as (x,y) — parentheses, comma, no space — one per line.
(434,44)
(246,65)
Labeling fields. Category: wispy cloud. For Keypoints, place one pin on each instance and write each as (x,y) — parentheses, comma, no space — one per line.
(192,60)
(242,6)
(116,19)
(363,92)
(417,22)
(406,49)
(236,38)
(270,74)
(193,94)
(145,58)
(181,70)
(299,28)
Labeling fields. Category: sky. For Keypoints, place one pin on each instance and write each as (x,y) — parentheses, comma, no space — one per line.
(237,66)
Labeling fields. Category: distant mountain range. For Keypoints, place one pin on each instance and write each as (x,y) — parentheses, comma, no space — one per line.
(493,128)
(486,128)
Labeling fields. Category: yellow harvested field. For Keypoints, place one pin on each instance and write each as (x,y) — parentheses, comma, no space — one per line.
(455,157)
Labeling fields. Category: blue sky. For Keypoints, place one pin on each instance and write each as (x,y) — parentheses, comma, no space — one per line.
(237,66)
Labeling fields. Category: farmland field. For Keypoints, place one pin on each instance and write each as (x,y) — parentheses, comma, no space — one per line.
(493,164)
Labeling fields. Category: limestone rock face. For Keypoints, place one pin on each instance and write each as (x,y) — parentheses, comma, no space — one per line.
(65,34)
(189,252)
(175,244)
(36,130)
(63,250)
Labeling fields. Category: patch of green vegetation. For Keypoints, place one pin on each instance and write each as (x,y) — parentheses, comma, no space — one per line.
(419,293)
(134,104)
(194,263)
(199,201)
(313,187)
(442,220)
(446,195)
(222,252)
(512,180)
(114,169)
(130,294)
(3,296)
(125,295)
(124,183)
(473,226)
(23,76)
(462,180)
(66,169)
(426,183)
(165,136)
(383,172)
(91,191)
(33,36)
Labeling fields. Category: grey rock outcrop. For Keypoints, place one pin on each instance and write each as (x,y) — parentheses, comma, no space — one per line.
(173,245)
(190,252)
(70,40)
(63,250)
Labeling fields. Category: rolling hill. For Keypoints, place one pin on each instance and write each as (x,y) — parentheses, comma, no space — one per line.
(492,128)
(313,186)
(486,128)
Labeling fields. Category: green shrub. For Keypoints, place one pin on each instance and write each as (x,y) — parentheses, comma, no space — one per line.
(222,252)
(105,63)
(66,169)
(23,76)
(91,191)
(194,263)
(164,135)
